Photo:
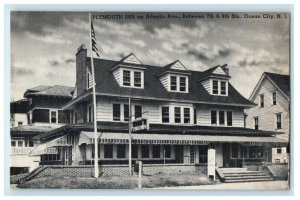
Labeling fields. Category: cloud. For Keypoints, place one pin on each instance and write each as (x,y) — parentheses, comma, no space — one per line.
(69,60)
(53,63)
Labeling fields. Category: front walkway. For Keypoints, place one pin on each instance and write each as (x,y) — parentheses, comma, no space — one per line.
(267,185)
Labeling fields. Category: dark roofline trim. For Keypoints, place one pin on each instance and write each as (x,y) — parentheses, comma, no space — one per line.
(129,66)
(259,84)
(175,72)
(219,76)
(153,98)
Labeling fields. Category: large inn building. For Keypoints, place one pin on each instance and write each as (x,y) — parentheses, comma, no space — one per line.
(177,114)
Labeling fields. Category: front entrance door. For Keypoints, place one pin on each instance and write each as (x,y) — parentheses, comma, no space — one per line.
(226,155)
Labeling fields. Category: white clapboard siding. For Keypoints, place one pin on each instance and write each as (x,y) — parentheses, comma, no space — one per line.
(206,84)
(219,70)
(203,116)
(118,76)
(165,81)
(178,66)
(132,59)
(267,114)
(104,110)
(153,114)
(238,118)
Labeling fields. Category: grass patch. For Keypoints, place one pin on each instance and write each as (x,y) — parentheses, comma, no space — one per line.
(116,182)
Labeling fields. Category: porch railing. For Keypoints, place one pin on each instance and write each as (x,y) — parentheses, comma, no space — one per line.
(20,150)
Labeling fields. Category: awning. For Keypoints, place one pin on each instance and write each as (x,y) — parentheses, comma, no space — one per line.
(123,138)
(50,147)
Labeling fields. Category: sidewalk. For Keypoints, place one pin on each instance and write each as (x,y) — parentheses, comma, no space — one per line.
(267,185)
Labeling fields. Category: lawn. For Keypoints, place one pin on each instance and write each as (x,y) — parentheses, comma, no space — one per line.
(116,182)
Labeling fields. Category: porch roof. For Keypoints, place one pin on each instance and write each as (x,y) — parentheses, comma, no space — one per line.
(141,138)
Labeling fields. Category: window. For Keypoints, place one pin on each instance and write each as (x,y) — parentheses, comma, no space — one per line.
(192,154)
(88,80)
(134,151)
(182,86)
(262,103)
(165,114)
(260,151)
(137,111)
(145,151)
(20,143)
(126,78)
(126,112)
(274,98)
(156,151)
(279,151)
(121,149)
(186,112)
(31,144)
(89,113)
(229,118)
(203,153)
(223,87)
(213,117)
(116,112)
(256,123)
(177,116)
(75,117)
(108,151)
(173,83)
(167,151)
(195,116)
(252,151)
(53,117)
(221,118)
(13,143)
(215,87)
(20,123)
(137,79)
(278,121)
(93,151)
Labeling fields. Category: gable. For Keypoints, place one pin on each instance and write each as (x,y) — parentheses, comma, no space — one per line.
(219,70)
(132,59)
(178,66)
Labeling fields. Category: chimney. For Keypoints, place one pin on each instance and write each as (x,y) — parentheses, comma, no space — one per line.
(226,69)
(81,56)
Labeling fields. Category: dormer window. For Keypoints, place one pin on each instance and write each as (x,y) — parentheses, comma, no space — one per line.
(126,77)
(137,79)
(223,88)
(215,87)
(173,83)
(182,84)
(219,87)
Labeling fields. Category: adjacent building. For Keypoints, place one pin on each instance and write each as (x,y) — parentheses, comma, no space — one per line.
(272,113)
(178,115)
(38,113)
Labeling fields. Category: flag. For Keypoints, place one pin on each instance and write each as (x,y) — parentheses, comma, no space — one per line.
(93,38)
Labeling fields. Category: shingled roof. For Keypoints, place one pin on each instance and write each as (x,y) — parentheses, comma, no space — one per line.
(282,82)
(56,90)
(153,88)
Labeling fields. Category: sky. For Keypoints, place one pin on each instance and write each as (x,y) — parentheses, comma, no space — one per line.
(44,44)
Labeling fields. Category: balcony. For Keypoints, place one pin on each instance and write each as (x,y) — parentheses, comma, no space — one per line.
(20,150)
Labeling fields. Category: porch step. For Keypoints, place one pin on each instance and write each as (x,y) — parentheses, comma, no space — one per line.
(231,175)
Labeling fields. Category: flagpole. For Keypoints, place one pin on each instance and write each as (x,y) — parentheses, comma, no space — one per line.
(129,133)
(94,103)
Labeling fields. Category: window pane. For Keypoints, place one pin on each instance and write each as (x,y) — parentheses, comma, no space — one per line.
(108,151)
(229,118)
(192,154)
(126,77)
(20,143)
(137,111)
(221,118)
(13,143)
(182,84)
(278,121)
(173,83)
(203,153)
(252,152)
(223,87)
(177,115)
(156,151)
(274,98)
(53,117)
(145,151)
(137,79)
(121,151)
(214,117)
(165,114)
(186,112)
(134,151)
(256,123)
(195,116)
(262,103)
(116,112)
(126,112)
(215,87)
(167,151)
